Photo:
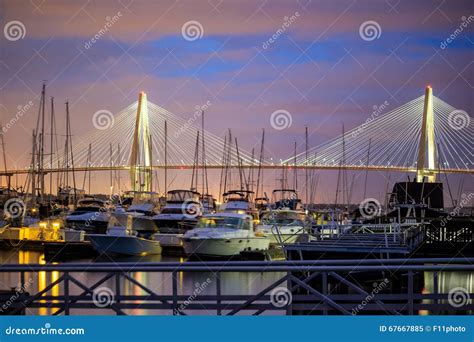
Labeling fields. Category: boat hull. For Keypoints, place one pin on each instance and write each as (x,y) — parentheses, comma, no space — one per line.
(124,245)
(226,247)
(286,234)
(140,224)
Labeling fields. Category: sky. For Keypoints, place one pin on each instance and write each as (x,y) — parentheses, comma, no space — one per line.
(312,59)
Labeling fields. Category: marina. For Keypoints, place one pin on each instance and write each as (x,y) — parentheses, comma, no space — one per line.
(256,159)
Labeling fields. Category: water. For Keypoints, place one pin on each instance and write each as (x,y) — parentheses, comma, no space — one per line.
(241,283)
(235,283)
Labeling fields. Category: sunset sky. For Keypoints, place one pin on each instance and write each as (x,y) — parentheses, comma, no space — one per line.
(320,69)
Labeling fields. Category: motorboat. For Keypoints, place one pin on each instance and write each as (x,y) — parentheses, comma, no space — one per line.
(240,201)
(121,240)
(224,234)
(181,213)
(139,212)
(208,204)
(91,215)
(286,199)
(284,226)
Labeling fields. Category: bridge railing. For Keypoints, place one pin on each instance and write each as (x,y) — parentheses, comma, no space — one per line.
(300,287)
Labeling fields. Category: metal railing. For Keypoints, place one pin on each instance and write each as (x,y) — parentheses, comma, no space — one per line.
(313,287)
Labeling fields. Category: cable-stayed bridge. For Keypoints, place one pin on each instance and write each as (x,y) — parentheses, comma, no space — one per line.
(426,136)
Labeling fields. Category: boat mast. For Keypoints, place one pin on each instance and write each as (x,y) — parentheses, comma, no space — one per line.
(51,150)
(260,171)
(306,163)
(166,157)
(367,169)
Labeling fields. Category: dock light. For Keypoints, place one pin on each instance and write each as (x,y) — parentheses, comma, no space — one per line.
(43,225)
(56,225)
(34,210)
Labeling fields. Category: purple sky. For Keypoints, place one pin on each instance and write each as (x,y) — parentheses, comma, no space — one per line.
(320,69)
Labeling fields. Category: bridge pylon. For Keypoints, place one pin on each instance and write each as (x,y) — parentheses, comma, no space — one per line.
(427,147)
(140,155)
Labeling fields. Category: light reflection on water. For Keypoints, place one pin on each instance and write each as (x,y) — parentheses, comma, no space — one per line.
(241,283)
(236,283)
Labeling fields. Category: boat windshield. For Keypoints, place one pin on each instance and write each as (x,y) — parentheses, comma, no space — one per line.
(182,195)
(286,218)
(222,222)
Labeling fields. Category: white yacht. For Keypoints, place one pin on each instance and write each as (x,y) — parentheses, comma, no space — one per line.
(121,240)
(224,234)
(144,205)
(284,226)
(91,215)
(181,213)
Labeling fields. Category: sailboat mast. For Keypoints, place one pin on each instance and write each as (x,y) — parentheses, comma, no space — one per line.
(166,157)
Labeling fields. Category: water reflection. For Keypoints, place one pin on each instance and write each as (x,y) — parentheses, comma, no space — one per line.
(235,283)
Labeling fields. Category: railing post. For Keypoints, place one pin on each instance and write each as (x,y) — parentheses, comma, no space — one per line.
(175,292)
(66,293)
(410,292)
(325,290)
(218,293)
(435,291)
(117,290)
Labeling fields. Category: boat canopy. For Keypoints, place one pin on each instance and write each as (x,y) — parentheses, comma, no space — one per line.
(226,221)
(182,196)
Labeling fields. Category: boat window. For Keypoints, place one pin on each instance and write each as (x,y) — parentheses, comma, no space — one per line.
(171,211)
(220,222)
